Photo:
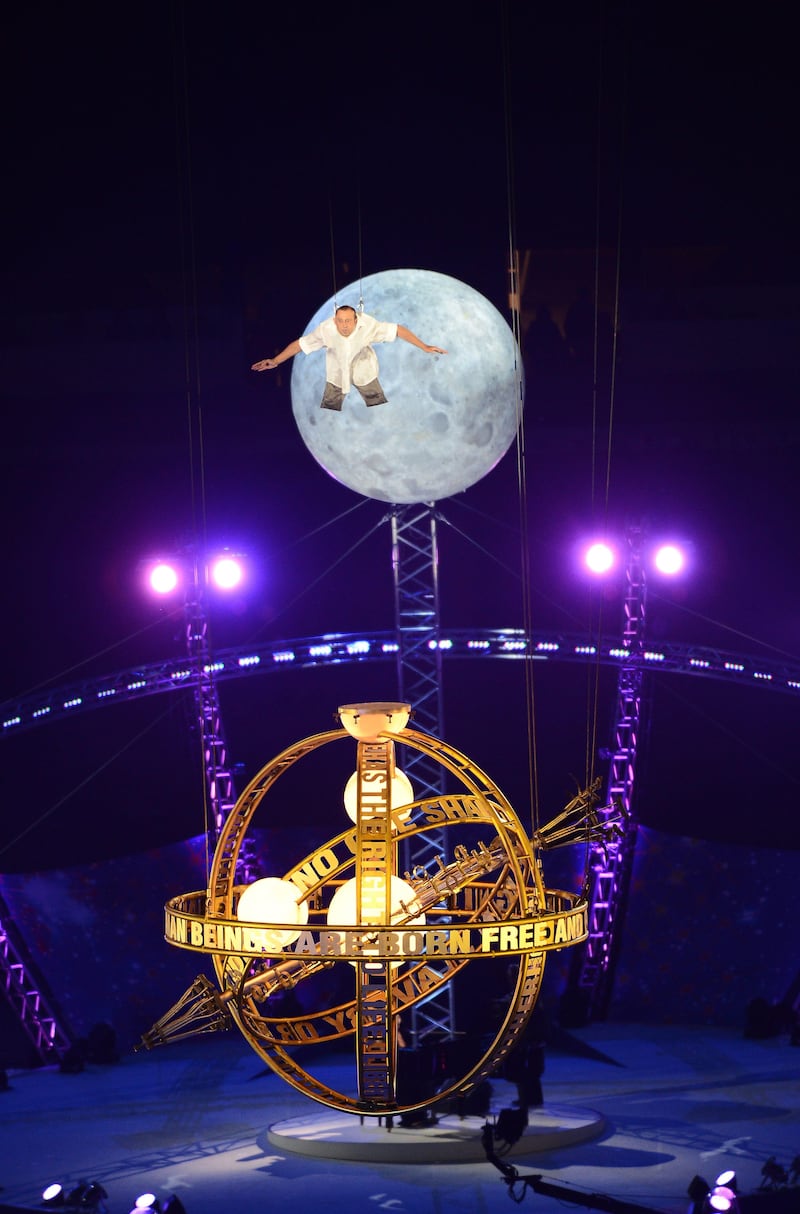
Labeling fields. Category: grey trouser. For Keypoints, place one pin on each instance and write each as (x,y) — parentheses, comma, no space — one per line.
(333,397)
(364,376)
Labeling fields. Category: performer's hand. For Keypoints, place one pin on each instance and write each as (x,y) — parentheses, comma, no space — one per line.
(434,350)
(265,364)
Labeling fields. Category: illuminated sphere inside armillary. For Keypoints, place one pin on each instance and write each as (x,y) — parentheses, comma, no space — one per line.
(349,941)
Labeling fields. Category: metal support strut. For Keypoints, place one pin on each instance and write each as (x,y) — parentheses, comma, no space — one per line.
(415,567)
(611,862)
(23,987)
(217,768)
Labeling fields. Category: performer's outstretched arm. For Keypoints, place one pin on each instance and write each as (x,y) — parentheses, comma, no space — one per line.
(269,364)
(407,335)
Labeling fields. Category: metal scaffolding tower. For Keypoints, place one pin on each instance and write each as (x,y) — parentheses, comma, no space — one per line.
(217,768)
(610,864)
(415,566)
(24,989)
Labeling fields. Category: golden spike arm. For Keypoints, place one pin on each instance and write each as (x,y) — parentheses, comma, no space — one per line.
(200,1009)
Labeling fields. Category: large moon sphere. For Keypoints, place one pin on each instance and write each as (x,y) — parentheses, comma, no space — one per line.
(449,418)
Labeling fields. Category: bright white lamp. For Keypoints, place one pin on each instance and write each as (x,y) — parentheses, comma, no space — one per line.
(343,909)
(401,794)
(273,900)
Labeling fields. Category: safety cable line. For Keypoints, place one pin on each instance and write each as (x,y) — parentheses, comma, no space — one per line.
(794,654)
(310,585)
(515,573)
(100,653)
(48,813)
(330,522)
(689,705)
(593,674)
(515,304)
(360,256)
(593,671)
(333,251)
(194,410)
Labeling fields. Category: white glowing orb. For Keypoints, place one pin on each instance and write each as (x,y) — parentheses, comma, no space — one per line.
(669,559)
(226,573)
(343,911)
(163,578)
(401,794)
(599,558)
(273,900)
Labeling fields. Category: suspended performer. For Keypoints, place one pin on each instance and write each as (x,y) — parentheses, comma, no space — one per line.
(350,360)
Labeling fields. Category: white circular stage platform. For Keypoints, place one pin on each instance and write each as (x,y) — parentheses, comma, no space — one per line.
(335,1135)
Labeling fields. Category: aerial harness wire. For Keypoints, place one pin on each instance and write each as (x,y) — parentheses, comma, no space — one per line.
(600,509)
(514,304)
(592,707)
(194,408)
(360,308)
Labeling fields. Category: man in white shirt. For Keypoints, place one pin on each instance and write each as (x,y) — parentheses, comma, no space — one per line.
(349,357)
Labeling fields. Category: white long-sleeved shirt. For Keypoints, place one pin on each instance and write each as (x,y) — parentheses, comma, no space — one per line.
(340,351)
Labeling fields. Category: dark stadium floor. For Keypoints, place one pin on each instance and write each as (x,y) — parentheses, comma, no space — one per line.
(193,1119)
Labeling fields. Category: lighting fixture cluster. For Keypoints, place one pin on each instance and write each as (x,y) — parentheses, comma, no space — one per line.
(669,559)
(86,1195)
(224,571)
(90,1195)
(719,1199)
(148,1203)
(723,1196)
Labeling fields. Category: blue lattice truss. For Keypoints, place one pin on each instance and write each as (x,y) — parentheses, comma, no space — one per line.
(611,863)
(415,567)
(177,675)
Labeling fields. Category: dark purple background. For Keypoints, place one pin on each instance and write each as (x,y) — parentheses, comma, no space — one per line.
(184,187)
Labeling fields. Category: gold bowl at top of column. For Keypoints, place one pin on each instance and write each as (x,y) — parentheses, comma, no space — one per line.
(365,721)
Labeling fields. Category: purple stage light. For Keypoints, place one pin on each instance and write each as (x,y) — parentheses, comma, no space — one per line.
(599,558)
(669,560)
(163,578)
(723,1199)
(226,573)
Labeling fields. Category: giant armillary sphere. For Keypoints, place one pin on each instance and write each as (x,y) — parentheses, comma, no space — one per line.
(345,904)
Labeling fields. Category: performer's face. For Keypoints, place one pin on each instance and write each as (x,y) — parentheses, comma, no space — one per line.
(345,320)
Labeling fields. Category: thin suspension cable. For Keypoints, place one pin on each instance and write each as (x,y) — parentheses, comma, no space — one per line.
(100,653)
(593,671)
(360,259)
(310,585)
(188,283)
(515,573)
(194,410)
(333,251)
(515,304)
(333,255)
(593,690)
(101,767)
(331,522)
